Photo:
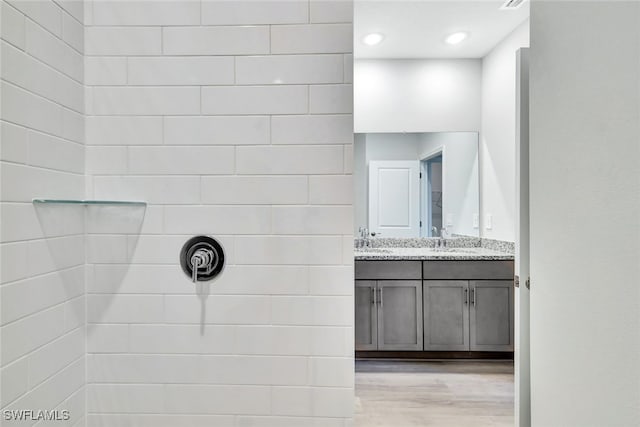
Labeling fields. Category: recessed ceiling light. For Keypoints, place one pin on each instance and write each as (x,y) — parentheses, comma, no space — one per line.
(456,38)
(372,39)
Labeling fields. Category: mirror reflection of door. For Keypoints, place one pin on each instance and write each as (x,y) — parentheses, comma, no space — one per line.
(434,196)
(392,200)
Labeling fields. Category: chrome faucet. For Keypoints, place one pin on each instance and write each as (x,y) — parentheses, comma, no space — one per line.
(442,235)
(363,240)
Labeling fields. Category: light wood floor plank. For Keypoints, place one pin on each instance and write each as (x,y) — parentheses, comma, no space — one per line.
(438,394)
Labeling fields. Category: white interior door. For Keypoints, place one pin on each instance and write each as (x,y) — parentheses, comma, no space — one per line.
(522,360)
(394,198)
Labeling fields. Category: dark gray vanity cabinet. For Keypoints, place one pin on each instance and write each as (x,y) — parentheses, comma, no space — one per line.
(474,315)
(399,315)
(434,305)
(388,312)
(491,315)
(468,306)
(366,325)
(446,315)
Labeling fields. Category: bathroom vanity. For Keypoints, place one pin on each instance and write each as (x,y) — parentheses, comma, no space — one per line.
(457,300)
(425,281)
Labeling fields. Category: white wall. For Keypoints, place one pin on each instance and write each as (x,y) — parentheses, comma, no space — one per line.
(425,95)
(392,146)
(585,213)
(498,135)
(42,284)
(189,110)
(460,177)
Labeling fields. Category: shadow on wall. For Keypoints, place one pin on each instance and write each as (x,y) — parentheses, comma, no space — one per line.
(109,236)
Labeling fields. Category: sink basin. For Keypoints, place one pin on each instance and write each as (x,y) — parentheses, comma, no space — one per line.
(373,250)
(415,251)
(457,250)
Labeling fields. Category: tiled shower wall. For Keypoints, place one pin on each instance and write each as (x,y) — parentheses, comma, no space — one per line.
(42,291)
(231,119)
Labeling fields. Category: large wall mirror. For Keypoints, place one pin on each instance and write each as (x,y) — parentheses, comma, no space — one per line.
(417,115)
(436,109)
(422,184)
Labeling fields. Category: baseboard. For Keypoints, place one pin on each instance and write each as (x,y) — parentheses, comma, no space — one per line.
(435,355)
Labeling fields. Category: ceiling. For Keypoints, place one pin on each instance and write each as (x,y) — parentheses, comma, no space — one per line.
(417,28)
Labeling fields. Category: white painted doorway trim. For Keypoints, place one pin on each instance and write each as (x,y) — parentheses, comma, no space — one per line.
(522,308)
(425,197)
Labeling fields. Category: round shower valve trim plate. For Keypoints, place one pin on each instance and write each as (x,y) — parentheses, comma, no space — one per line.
(202,258)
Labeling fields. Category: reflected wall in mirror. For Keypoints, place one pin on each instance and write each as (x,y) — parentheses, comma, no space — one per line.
(417,184)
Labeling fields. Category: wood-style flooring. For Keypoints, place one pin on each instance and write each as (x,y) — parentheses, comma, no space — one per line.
(434,393)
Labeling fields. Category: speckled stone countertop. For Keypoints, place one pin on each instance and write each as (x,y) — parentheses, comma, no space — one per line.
(423,249)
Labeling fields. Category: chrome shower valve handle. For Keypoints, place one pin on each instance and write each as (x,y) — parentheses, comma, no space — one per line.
(201,258)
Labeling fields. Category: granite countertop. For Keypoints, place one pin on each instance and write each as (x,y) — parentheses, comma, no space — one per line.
(450,254)
(459,248)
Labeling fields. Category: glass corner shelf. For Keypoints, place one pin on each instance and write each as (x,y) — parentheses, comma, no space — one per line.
(89,202)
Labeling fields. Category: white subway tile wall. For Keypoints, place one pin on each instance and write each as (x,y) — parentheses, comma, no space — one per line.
(42,252)
(231,119)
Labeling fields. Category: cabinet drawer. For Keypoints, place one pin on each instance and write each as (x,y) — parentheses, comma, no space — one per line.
(389,270)
(465,270)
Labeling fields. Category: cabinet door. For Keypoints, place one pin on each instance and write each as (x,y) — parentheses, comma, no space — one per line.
(446,315)
(366,315)
(491,315)
(399,315)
